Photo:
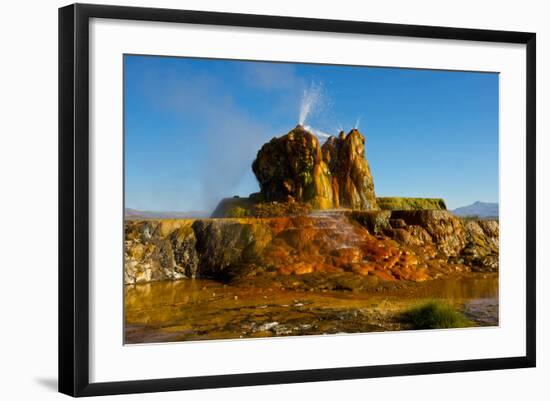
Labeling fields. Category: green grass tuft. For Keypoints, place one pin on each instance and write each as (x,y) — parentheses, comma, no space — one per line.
(435,315)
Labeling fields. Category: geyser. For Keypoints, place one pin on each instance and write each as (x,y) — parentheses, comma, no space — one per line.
(311,100)
(317,132)
(296,168)
(314,100)
(357,122)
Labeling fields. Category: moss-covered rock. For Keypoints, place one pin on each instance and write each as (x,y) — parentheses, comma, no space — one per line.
(399,203)
(228,207)
(280,209)
(249,207)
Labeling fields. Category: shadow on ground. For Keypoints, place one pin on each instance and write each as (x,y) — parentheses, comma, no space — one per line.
(49,383)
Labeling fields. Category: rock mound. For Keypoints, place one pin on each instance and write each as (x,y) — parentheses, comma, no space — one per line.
(291,168)
(295,167)
(352,182)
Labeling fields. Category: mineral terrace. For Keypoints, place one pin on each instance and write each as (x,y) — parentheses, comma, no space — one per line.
(316,224)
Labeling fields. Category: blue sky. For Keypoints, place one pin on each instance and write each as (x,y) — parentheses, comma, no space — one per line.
(194,126)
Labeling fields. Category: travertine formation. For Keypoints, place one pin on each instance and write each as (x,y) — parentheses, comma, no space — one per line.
(399,245)
(351,179)
(295,168)
(404,203)
(290,168)
(286,230)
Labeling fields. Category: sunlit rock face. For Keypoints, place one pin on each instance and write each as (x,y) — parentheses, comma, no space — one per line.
(351,179)
(295,167)
(387,245)
(291,168)
(158,250)
(474,243)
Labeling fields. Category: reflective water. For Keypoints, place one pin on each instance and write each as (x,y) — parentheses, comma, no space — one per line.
(204,309)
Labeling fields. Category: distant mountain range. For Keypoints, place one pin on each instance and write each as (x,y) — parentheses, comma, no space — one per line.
(480,209)
(133,214)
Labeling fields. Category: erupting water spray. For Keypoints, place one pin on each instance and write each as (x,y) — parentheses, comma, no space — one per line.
(317,132)
(357,122)
(312,99)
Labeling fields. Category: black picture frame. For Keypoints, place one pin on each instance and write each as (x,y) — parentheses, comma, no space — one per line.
(74,198)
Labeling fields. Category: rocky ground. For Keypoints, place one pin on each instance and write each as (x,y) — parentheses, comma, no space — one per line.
(326,250)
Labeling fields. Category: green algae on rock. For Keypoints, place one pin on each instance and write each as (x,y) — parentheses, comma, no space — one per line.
(400,203)
(227,207)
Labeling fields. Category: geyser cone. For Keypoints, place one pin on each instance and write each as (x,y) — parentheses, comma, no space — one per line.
(291,168)
(294,167)
(352,181)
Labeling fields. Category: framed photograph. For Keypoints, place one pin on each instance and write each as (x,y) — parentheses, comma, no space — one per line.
(278,199)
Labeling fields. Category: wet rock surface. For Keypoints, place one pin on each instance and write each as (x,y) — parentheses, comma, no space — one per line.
(483,311)
(324,249)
